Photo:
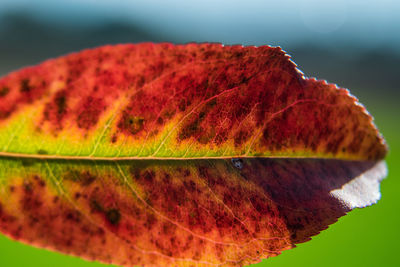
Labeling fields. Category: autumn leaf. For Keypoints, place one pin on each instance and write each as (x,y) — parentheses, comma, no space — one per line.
(161,154)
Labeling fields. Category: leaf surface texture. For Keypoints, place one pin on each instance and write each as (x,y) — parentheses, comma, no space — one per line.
(161,154)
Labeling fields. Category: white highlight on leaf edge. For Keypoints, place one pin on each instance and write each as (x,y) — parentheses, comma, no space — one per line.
(363,190)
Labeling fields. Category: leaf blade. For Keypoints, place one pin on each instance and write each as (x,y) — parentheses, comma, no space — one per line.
(203,154)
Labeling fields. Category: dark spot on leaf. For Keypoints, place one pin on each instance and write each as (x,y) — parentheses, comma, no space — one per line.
(168,114)
(28,187)
(27,162)
(73,215)
(95,206)
(130,123)
(190,186)
(182,105)
(85,177)
(113,216)
(40,182)
(42,152)
(150,221)
(168,228)
(189,130)
(203,171)
(61,103)
(202,115)
(4,91)
(241,137)
(140,82)
(91,110)
(149,176)
(25,87)
(186,173)
(4,114)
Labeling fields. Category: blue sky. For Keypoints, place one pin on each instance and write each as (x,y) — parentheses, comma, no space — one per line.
(284,22)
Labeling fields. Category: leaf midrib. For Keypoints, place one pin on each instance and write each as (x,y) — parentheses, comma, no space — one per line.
(97,158)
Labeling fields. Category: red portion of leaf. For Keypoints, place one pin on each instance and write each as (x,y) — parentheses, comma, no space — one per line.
(252,96)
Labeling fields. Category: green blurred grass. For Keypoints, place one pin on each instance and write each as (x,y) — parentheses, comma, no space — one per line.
(365,237)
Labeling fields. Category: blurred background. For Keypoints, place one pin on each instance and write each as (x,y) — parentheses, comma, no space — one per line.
(353,44)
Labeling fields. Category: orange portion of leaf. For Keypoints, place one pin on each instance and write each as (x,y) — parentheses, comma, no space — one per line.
(215,212)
